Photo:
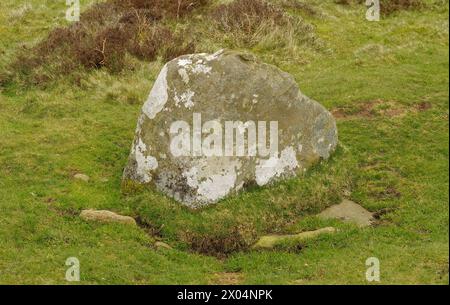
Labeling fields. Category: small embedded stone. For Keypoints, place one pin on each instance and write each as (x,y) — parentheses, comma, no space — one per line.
(349,211)
(271,241)
(162,245)
(82,177)
(106,217)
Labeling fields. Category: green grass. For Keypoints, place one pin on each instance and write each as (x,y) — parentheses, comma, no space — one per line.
(398,163)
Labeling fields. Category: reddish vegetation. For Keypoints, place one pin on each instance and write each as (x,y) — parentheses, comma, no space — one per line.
(110,32)
(381,108)
(424,106)
(371,109)
(106,33)
(390,6)
(221,242)
(159,9)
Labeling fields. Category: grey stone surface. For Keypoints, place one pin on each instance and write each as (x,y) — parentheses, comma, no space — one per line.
(349,211)
(106,216)
(225,86)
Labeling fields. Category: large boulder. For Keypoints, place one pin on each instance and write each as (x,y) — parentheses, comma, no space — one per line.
(216,123)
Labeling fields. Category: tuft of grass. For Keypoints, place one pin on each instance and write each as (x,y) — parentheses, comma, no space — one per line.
(248,16)
(258,22)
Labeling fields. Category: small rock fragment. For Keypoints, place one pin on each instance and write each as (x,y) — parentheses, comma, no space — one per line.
(270,241)
(82,177)
(160,244)
(106,216)
(349,211)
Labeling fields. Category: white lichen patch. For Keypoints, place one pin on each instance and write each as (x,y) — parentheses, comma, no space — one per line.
(187,65)
(191,177)
(184,75)
(185,99)
(212,181)
(274,167)
(158,96)
(217,186)
(144,164)
(184,62)
(201,68)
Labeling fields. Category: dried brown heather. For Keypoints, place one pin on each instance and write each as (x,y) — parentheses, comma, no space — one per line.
(106,33)
(247,16)
(110,33)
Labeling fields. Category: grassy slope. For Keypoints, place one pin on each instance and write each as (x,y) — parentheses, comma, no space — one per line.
(47,135)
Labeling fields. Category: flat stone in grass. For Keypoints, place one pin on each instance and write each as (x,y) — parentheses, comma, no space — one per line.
(162,245)
(216,123)
(106,217)
(82,177)
(271,241)
(349,211)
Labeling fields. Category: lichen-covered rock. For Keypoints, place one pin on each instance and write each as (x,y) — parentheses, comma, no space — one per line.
(215,123)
